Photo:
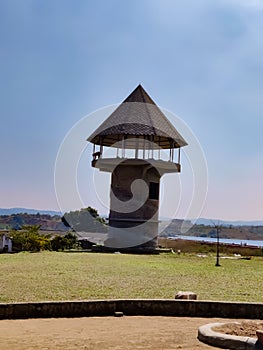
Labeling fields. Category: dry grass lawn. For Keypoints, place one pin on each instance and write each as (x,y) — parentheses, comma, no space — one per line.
(75,276)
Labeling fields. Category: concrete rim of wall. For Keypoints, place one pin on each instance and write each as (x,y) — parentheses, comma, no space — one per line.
(207,335)
(132,307)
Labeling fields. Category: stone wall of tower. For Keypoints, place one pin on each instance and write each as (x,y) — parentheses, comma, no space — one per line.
(142,224)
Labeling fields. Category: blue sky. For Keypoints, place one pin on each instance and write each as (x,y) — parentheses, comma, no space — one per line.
(200,59)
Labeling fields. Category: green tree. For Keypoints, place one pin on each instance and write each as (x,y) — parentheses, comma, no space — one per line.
(69,241)
(29,239)
(17,221)
(57,243)
(87,220)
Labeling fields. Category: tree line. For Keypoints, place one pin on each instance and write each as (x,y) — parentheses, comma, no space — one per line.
(28,238)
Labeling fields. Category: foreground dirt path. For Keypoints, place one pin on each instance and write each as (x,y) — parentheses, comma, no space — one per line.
(103,333)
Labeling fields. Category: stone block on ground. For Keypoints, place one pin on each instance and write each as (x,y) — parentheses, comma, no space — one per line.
(186,295)
(118,314)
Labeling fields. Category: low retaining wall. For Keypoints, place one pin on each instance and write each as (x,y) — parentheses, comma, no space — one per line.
(132,307)
(207,335)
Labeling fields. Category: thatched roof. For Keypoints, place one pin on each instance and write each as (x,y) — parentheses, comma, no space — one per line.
(137,116)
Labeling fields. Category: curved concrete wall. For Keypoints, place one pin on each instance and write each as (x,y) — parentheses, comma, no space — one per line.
(132,307)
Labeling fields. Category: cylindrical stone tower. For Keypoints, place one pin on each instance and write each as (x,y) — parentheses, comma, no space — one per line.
(144,141)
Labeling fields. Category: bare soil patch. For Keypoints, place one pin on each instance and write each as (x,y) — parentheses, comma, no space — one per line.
(244,329)
(103,333)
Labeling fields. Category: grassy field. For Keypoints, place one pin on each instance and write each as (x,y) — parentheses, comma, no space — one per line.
(68,276)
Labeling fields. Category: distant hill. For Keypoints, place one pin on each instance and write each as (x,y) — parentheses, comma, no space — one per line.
(208,230)
(209,222)
(10,211)
(200,221)
(46,221)
(51,221)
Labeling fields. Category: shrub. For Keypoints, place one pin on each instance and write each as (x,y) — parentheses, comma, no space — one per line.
(69,241)
(29,239)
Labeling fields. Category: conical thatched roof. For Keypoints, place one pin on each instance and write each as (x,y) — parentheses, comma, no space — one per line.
(137,116)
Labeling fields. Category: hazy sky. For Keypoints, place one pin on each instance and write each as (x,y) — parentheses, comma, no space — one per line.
(201,59)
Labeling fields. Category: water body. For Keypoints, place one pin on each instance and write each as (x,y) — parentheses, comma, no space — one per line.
(248,242)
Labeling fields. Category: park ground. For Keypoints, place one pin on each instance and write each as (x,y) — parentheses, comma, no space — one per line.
(104,333)
(46,276)
(55,276)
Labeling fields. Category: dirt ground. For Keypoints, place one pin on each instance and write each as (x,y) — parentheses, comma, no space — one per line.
(244,329)
(104,333)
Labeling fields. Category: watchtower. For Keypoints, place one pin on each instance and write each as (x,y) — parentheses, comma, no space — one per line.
(144,142)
